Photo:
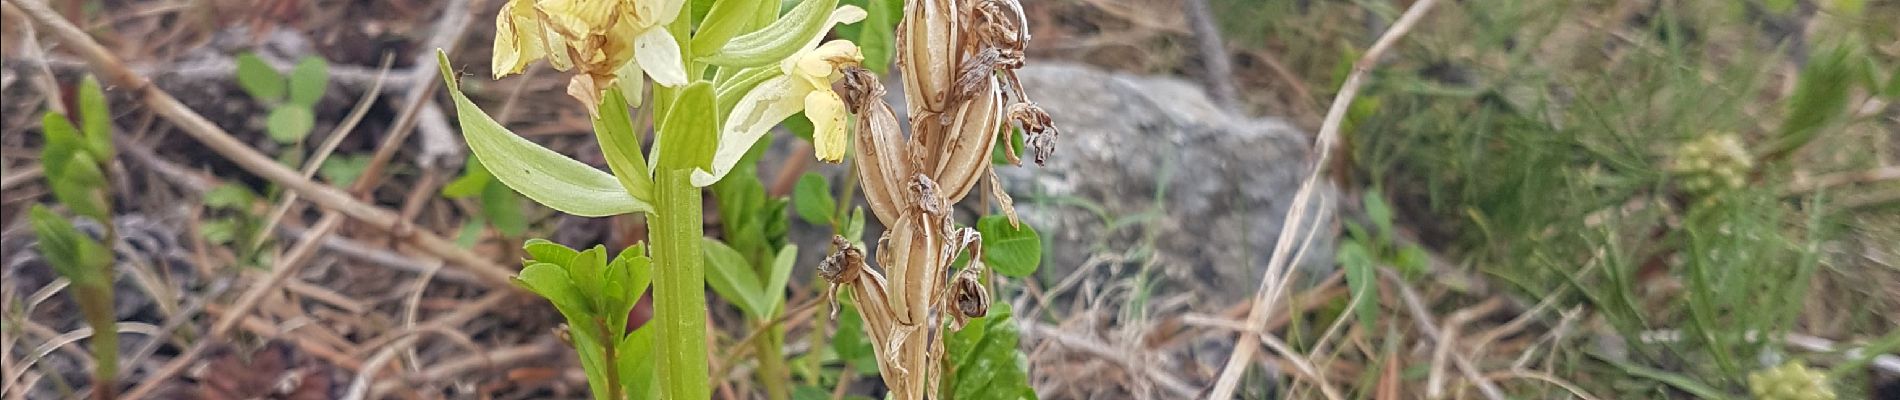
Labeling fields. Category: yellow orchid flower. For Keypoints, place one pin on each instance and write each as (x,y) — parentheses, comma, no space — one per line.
(803,83)
(602,40)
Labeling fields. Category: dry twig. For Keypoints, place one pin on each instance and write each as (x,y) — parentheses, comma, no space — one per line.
(1279,266)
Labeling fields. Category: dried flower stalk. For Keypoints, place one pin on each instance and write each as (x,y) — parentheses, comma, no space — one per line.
(958,59)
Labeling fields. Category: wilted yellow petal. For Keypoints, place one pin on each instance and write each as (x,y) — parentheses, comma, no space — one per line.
(659,55)
(827,114)
(578,18)
(517,38)
(587,89)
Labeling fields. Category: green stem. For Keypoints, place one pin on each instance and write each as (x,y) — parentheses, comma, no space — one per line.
(610,351)
(679,295)
(95,301)
(772,372)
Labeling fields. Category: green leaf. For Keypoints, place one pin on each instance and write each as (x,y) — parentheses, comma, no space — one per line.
(620,143)
(1013,251)
(471,232)
(95,118)
(986,363)
(73,254)
(1893,84)
(308,80)
(725,19)
(342,170)
(854,229)
(1380,212)
(503,210)
(637,374)
(781,275)
(813,199)
(691,130)
(81,187)
(547,177)
(290,123)
(1015,138)
(259,79)
(730,90)
(1819,97)
(874,38)
(220,231)
(62,142)
(229,196)
(588,270)
(730,276)
(1412,260)
(474,178)
(799,126)
(544,251)
(1361,280)
(776,41)
(850,342)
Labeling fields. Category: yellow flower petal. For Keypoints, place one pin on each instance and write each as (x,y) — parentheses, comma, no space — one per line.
(827,114)
(517,38)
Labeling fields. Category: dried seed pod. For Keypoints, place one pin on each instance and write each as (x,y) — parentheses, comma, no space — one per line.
(970,297)
(967,144)
(883,157)
(1037,124)
(930,40)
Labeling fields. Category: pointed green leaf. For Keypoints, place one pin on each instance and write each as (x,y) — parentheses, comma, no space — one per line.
(620,143)
(72,254)
(547,177)
(855,228)
(813,199)
(259,79)
(691,130)
(636,357)
(81,187)
(1820,95)
(779,40)
(95,117)
(1013,251)
(544,251)
(1361,279)
(730,276)
(474,178)
(725,19)
(552,282)
(290,123)
(874,37)
(62,141)
(1379,212)
(774,294)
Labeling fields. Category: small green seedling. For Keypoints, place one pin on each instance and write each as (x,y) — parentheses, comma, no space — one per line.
(75,162)
(293,99)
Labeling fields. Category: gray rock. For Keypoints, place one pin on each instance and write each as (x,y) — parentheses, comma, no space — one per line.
(1152,164)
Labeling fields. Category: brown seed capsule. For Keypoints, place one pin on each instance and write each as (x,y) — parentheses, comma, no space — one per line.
(843,265)
(972,299)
